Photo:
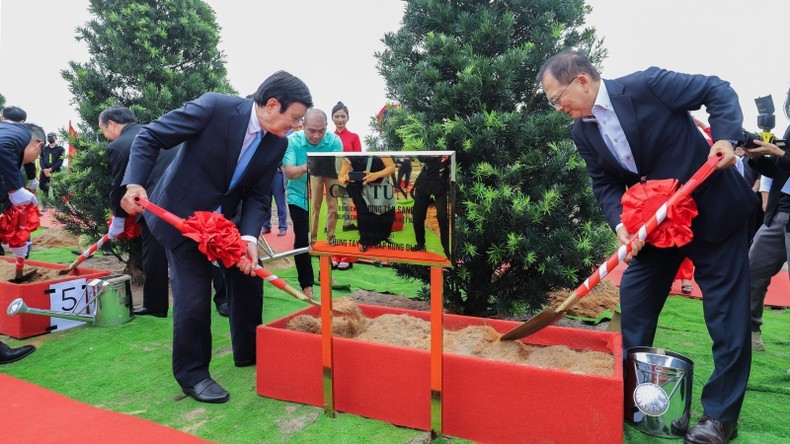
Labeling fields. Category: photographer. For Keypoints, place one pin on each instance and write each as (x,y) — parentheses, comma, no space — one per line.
(769,252)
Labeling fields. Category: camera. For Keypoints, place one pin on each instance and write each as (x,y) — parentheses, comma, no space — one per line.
(356,176)
(766,120)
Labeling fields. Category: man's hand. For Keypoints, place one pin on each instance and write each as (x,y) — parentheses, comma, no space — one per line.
(728,154)
(129,202)
(249,263)
(47,172)
(22,197)
(116,227)
(33,184)
(624,238)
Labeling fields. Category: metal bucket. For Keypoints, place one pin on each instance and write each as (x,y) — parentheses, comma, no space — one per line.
(114,300)
(658,386)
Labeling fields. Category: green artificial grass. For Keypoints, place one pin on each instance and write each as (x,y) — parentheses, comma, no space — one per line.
(127,369)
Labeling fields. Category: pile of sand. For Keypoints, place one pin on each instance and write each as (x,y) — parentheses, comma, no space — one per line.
(479,341)
(8,272)
(602,298)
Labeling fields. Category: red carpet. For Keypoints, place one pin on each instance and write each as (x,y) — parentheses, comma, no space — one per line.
(32,414)
(778,292)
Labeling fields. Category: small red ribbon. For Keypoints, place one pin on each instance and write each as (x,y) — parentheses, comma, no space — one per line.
(17,222)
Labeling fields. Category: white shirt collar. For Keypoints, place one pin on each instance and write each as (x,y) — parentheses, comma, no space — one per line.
(602,100)
(254,125)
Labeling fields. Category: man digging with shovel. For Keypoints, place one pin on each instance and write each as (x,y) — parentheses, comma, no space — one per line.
(19,143)
(637,128)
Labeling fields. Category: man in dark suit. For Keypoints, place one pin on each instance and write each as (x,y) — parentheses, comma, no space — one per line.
(636,127)
(119,126)
(50,162)
(217,132)
(19,143)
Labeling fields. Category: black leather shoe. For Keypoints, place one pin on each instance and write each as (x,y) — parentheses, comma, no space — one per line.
(208,390)
(142,311)
(222,309)
(711,431)
(9,355)
(350,227)
(245,363)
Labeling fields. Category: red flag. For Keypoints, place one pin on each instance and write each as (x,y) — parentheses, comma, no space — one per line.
(72,135)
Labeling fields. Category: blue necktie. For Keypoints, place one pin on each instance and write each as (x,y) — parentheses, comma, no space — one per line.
(786,187)
(244,160)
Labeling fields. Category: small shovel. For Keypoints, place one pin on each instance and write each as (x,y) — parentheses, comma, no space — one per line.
(85,255)
(21,276)
(551,315)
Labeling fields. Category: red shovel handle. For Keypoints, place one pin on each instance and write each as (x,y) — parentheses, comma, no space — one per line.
(264,274)
(654,221)
(160,212)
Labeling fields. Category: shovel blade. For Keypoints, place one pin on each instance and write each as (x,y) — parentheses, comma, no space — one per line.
(542,320)
(22,278)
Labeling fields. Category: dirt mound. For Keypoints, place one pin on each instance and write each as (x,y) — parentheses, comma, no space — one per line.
(602,298)
(55,237)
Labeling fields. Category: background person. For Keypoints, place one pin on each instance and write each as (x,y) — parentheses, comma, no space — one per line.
(119,126)
(323,173)
(231,149)
(51,161)
(770,248)
(313,138)
(638,126)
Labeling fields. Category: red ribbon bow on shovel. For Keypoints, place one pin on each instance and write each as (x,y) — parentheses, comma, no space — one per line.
(220,240)
(16,224)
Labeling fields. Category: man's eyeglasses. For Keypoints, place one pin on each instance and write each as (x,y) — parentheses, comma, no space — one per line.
(554,102)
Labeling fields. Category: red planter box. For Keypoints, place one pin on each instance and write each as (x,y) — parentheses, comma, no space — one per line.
(483,400)
(38,295)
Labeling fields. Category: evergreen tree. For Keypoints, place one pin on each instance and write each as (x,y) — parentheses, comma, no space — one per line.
(148,55)
(464,74)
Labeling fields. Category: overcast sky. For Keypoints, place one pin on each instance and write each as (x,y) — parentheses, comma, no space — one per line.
(330,45)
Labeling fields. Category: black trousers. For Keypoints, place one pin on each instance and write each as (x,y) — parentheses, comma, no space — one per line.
(155,288)
(722,272)
(304,264)
(191,282)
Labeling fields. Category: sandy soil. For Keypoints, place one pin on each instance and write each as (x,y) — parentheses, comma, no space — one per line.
(480,341)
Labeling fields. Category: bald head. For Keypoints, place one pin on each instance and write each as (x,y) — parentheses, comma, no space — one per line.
(314,125)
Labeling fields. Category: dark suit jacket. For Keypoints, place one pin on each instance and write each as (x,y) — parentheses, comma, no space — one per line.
(14,137)
(118,157)
(777,168)
(212,130)
(653,108)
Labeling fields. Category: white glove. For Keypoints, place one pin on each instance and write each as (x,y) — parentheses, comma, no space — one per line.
(116,226)
(19,251)
(22,196)
(33,184)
